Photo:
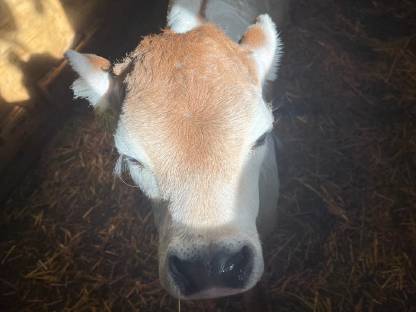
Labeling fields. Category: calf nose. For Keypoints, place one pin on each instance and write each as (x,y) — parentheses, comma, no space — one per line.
(222,269)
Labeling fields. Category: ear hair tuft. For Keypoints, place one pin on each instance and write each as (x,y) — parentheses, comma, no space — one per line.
(94,80)
(265,45)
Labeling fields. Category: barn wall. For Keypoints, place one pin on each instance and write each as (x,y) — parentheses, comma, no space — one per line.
(36,30)
(34,34)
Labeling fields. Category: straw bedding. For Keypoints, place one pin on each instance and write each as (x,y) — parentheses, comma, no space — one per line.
(76,238)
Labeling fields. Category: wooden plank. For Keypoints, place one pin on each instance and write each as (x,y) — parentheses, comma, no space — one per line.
(53,103)
(31,57)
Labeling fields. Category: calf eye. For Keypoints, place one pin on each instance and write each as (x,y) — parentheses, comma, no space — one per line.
(260,141)
(133,161)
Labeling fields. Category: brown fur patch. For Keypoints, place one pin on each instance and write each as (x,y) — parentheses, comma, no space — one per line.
(254,37)
(190,98)
(99,62)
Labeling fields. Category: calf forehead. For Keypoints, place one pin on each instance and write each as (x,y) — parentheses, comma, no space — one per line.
(190,99)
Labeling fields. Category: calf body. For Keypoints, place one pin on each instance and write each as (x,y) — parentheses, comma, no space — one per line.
(195,135)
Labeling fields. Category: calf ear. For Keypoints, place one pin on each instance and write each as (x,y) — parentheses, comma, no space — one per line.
(263,41)
(185,15)
(94,82)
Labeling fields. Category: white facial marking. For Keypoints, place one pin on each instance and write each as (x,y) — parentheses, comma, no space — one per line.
(141,175)
(263,121)
(203,210)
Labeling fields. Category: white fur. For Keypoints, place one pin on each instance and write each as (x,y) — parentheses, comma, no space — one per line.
(263,121)
(93,83)
(183,15)
(142,176)
(248,201)
(268,188)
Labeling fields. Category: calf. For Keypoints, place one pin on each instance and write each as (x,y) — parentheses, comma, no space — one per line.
(196,136)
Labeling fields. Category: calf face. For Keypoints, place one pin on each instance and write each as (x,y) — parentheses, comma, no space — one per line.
(192,132)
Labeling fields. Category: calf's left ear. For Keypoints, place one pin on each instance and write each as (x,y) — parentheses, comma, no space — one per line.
(264,43)
(95,80)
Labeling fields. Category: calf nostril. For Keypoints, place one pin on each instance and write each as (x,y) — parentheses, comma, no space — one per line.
(222,268)
(175,265)
(234,269)
(241,260)
(183,273)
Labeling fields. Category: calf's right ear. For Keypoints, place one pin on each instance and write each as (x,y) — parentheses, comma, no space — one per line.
(95,82)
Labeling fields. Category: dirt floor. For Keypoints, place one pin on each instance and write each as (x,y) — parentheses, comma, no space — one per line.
(76,238)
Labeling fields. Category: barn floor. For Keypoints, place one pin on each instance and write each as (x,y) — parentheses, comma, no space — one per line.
(75,238)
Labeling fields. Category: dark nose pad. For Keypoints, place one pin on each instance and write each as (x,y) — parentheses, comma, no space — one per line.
(221,268)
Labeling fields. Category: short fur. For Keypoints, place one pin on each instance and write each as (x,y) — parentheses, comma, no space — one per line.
(191,114)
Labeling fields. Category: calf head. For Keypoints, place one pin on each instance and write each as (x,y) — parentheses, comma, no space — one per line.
(190,131)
